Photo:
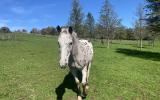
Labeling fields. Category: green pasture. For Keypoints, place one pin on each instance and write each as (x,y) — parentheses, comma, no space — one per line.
(29,70)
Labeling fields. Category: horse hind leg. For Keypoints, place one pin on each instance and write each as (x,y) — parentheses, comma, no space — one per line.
(88,71)
(87,79)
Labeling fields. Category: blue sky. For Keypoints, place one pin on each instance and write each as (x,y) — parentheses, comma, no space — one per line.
(18,14)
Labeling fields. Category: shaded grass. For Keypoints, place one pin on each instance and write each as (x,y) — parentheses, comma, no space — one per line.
(29,71)
(141,54)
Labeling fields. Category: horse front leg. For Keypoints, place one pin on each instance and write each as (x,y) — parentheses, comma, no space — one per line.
(78,87)
(75,74)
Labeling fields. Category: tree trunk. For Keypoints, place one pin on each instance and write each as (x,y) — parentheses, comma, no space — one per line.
(153,41)
(102,42)
(141,43)
(137,42)
(108,42)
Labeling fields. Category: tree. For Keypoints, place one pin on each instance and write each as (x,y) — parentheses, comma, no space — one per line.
(24,31)
(120,33)
(153,18)
(98,31)
(48,31)
(130,34)
(35,31)
(108,20)
(17,31)
(90,25)
(140,23)
(76,17)
(5,33)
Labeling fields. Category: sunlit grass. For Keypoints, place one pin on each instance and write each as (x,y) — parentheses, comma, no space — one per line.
(29,70)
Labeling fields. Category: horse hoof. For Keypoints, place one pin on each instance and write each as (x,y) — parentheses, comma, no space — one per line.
(84,95)
(79,98)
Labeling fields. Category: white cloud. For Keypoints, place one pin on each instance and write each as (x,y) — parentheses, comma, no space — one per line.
(33,20)
(13,28)
(18,10)
(3,24)
(30,9)
(44,6)
(5,21)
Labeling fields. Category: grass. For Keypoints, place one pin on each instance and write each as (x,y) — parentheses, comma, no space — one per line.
(29,71)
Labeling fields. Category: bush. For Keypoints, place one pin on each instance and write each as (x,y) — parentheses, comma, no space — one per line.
(5,30)
(48,31)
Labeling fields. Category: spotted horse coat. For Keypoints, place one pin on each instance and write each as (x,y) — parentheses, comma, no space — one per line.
(80,57)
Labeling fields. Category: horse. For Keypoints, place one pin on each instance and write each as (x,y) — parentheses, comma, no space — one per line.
(77,54)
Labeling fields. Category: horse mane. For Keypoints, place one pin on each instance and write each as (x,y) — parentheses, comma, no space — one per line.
(75,37)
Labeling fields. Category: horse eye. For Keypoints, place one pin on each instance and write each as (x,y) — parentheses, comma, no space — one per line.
(70,43)
(58,44)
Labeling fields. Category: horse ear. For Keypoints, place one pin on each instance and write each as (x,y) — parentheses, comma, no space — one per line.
(58,29)
(70,29)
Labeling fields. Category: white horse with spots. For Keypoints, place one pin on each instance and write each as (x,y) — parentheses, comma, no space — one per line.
(77,54)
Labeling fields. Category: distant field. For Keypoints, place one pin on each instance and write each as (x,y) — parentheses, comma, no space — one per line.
(29,71)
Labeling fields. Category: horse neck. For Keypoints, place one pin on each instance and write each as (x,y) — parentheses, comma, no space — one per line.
(75,38)
(75,44)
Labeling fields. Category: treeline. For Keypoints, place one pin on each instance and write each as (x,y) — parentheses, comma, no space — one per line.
(121,33)
(7,34)
(109,26)
(44,31)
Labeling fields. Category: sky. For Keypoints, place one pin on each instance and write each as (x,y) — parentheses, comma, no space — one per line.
(28,14)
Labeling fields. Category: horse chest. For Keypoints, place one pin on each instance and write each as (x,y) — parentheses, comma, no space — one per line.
(82,57)
(82,54)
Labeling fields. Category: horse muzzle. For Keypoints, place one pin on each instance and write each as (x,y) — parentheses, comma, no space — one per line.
(63,63)
(63,66)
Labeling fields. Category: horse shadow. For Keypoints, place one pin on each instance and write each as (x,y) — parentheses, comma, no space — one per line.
(68,83)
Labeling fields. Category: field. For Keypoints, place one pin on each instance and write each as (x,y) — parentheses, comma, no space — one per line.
(29,71)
